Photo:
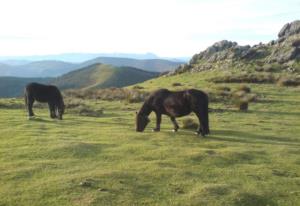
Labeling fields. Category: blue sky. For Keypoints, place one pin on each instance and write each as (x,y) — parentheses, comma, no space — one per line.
(170,28)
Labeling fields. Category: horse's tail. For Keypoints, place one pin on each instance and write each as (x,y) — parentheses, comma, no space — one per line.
(206,110)
(25,100)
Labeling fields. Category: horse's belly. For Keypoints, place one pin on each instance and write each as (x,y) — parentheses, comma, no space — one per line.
(41,99)
(177,111)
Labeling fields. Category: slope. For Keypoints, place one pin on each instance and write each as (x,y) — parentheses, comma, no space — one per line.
(102,76)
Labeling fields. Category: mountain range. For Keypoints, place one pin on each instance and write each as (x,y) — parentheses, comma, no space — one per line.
(94,76)
(54,68)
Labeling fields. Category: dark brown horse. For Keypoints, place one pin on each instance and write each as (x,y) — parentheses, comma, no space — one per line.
(175,104)
(44,93)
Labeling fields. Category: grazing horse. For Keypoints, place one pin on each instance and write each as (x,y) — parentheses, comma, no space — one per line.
(174,104)
(44,93)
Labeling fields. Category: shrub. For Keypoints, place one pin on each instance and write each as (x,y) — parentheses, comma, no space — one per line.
(134,96)
(244,88)
(289,81)
(189,123)
(176,84)
(137,87)
(246,78)
(223,88)
(242,105)
(110,94)
(90,112)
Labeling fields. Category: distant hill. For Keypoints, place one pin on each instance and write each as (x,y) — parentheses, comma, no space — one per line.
(102,76)
(51,68)
(153,65)
(5,69)
(79,57)
(36,69)
(13,62)
(14,86)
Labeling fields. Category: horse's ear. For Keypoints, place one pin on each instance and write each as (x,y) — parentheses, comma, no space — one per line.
(136,112)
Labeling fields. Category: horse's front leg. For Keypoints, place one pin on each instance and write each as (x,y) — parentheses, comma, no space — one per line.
(158,121)
(52,110)
(176,127)
(30,102)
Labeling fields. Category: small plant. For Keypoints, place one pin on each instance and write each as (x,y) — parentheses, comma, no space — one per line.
(289,81)
(90,112)
(242,105)
(223,88)
(244,88)
(137,87)
(176,84)
(189,123)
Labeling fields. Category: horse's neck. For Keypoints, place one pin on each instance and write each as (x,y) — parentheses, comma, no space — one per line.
(145,110)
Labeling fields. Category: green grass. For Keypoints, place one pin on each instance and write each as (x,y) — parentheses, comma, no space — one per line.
(250,158)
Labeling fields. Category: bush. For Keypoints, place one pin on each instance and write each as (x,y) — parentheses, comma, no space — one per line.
(110,94)
(134,96)
(176,84)
(90,112)
(242,105)
(72,103)
(223,88)
(289,81)
(189,123)
(246,78)
(244,88)
(137,87)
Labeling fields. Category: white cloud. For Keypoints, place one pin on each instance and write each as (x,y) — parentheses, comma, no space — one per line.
(168,28)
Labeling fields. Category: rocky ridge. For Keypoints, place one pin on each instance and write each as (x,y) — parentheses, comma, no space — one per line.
(281,54)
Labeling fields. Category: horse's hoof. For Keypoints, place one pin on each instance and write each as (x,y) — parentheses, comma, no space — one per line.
(30,117)
(199,134)
(155,130)
(174,130)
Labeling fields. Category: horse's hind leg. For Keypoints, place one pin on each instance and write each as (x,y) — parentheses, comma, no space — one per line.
(176,127)
(52,110)
(201,127)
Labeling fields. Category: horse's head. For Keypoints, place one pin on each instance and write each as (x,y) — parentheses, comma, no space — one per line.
(141,122)
(60,110)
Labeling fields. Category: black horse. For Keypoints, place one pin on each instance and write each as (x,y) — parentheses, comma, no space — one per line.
(44,93)
(175,104)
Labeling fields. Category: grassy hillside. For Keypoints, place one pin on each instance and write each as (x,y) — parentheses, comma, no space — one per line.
(14,86)
(95,157)
(152,65)
(102,76)
(250,158)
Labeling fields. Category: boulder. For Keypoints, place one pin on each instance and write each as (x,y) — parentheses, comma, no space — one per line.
(290,29)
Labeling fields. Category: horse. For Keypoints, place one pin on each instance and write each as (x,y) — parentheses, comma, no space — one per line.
(174,104)
(44,93)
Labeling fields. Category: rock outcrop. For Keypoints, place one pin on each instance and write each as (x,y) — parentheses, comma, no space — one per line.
(290,29)
(283,52)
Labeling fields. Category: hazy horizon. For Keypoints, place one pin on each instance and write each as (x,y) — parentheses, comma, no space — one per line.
(178,28)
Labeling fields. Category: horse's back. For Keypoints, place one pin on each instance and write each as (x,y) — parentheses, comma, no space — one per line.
(196,95)
(41,92)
